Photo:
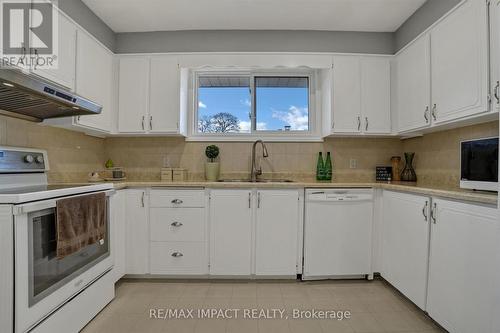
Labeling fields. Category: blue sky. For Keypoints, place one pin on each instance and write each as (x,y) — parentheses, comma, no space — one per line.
(276,107)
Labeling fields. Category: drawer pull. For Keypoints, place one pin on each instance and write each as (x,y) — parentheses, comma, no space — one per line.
(177,201)
(176,224)
(177,255)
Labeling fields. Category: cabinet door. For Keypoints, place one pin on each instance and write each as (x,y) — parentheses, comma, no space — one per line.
(376,95)
(463,266)
(137,240)
(405,244)
(277,223)
(495,53)
(133,94)
(459,62)
(164,95)
(118,232)
(414,85)
(64,75)
(94,80)
(231,232)
(346,94)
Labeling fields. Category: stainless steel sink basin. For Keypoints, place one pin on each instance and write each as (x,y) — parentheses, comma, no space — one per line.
(257,181)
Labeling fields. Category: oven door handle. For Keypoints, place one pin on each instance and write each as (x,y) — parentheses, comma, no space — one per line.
(51,203)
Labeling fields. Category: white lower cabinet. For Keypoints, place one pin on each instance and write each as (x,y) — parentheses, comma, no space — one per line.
(177,236)
(277,225)
(231,228)
(405,244)
(118,233)
(463,267)
(137,238)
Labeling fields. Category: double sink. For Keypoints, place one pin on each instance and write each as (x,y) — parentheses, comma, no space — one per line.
(255,181)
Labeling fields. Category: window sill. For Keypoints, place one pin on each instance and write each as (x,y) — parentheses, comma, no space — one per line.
(251,138)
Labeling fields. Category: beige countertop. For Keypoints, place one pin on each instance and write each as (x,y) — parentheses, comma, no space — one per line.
(443,192)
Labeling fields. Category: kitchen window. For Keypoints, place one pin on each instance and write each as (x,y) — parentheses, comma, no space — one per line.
(251,104)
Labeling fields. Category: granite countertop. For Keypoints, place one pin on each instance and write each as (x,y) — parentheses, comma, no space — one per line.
(456,193)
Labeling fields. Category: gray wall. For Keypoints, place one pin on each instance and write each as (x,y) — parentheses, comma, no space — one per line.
(255,41)
(82,15)
(423,18)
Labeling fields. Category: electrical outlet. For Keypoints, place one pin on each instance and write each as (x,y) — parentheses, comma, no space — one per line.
(353,163)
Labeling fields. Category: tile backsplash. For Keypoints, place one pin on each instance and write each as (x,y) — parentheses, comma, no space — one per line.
(74,155)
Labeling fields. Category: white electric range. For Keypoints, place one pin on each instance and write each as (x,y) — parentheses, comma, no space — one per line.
(38,289)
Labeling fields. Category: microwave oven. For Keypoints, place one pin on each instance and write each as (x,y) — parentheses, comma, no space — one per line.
(479,164)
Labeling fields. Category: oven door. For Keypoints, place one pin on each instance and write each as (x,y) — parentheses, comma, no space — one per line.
(43,282)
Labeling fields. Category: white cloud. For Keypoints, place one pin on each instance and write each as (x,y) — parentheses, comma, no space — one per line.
(296,117)
(246,125)
(202,105)
(262,126)
(246,102)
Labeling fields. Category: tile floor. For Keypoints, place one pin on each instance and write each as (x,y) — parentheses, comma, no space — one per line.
(375,307)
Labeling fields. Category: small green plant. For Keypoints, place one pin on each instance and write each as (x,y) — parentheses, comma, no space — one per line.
(212,152)
(109,164)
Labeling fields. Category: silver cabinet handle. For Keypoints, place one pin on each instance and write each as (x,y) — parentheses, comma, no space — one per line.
(142,123)
(249,200)
(176,224)
(424,210)
(258,199)
(359,123)
(366,126)
(496,92)
(142,199)
(433,213)
(426,114)
(434,107)
(177,254)
(151,123)
(177,201)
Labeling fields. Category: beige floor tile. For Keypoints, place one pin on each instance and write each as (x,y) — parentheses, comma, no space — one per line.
(306,325)
(244,290)
(242,326)
(273,326)
(336,326)
(210,326)
(365,322)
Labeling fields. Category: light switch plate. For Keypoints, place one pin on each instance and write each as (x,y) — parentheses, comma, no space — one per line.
(353,163)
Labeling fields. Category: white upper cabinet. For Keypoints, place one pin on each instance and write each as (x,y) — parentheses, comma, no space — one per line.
(459,62)
(360,95)
(277,222)
(405,244)
(376,95)
(95,80)
(65,74)
(463,270)
(164,95)
(495,53)
(346,95)
(133,95)
(413,85)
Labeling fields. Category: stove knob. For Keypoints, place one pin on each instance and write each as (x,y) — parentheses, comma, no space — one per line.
(39,159)
(29,159)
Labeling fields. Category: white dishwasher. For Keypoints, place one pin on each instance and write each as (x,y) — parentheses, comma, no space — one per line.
(338,233)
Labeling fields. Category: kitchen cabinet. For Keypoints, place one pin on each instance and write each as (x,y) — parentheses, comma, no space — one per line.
(231,224)
(150,95)
(459,63)
(413,85)
(65,73)
(94,80)
(463,267)
(361,95)
(277,222)
(495,54)
(133,94)
(137,237)
(405,244)
(118,233)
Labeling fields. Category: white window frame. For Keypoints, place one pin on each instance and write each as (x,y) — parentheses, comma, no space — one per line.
(314,128)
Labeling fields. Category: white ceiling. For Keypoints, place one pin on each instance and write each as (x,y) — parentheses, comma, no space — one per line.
(334,15)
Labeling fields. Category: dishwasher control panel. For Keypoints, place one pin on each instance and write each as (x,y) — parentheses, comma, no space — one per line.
(334,195)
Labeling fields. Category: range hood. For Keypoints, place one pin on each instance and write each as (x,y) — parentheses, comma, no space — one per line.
(31,98)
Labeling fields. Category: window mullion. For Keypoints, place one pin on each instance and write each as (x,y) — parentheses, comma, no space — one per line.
(253,114)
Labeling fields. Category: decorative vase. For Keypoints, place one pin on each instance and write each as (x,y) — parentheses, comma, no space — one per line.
(212,171)
(408,174)
(396,172)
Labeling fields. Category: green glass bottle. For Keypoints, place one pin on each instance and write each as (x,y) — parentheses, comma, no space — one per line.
(328,167)
(320,167)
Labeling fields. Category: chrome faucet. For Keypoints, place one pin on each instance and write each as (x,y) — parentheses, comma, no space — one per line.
(255,172)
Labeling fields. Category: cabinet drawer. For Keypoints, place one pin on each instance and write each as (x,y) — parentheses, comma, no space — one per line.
(178,258)
(168,224)
(177,198)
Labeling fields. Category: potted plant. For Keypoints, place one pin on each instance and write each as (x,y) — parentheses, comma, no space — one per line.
(212,166)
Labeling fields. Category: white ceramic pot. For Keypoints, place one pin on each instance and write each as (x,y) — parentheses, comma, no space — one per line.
(212,171)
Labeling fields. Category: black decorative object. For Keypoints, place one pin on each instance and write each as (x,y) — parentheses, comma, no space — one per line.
(408,174)
(383,173)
